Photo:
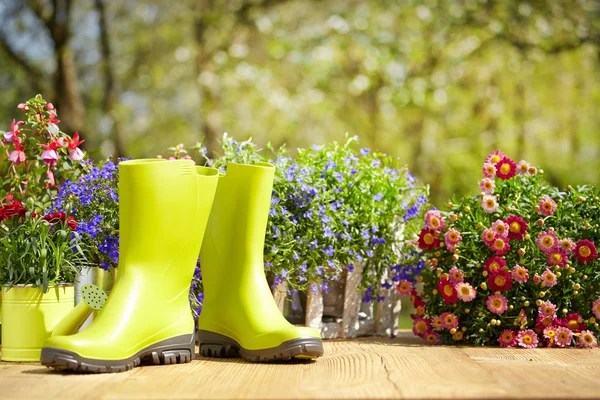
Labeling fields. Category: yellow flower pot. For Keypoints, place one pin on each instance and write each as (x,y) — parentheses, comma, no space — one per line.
(28,318)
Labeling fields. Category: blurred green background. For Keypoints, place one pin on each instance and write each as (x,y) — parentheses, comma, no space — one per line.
(439,83)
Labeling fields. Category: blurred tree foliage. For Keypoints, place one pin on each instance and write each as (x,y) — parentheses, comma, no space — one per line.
(439,83)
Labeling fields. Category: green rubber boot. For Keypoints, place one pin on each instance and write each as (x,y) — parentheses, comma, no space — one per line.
(164,206)
(239,316)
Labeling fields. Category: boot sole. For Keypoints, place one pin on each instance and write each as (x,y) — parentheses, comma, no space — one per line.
(219,346)
(176,350)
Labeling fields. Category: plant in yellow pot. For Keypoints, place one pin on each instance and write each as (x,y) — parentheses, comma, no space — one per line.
(40,251)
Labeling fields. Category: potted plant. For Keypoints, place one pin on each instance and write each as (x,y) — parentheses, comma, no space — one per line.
(516,266)
(334,239)
(40,252)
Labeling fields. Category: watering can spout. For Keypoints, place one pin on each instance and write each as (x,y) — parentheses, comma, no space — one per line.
(92,299)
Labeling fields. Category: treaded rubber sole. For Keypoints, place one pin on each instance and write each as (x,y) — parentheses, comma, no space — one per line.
(176,350)
(219,346)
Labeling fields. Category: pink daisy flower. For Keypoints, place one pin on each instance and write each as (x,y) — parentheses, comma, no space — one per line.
(596,308)
(489,170)
(567,245)
(547,241)
(420,326)
(452,238)
(564,337)
(547,206)
(527,339)
(506,168)
(550,334)
(494,264)
(587,340)
(488,236)
(523,167)
(494,157)
(490,203)
(456,275)
(548,278)
(487,185)
(432,338)
(497,304)
(585,251)
(547,309)
(520,274)
(437,323)
(558,257)
(500,245)
(434,220)
(517,227)
(465,291)
(507,338)
(404,288)
(449,320)
(501,228)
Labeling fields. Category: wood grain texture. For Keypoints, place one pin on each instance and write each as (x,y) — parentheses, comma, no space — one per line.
(355,369)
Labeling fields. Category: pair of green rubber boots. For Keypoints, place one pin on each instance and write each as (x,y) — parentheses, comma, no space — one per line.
(170,211)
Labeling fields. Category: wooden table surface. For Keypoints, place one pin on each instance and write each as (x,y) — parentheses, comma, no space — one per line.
(361,368)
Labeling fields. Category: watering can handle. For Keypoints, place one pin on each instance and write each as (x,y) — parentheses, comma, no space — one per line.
(92,299)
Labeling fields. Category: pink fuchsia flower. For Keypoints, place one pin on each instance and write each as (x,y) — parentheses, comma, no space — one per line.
(449,320)
(548,278)
(520,274)
(497,304)
(500,245)
(547,206)
(420,326)
(432,338)
(585,251)
(489,203)
(506,168)
(568,245)
(494,157)
(547,310)
(547,241)
(527,339)
(23,106)
(488,236)
(523,167)
(50,156)
(500,228)
(596,308)
(489,170)
(75,154)
(465,292)
(587,340)
(452,238)
(517,227)
(487,185)
(437,323)
(434,220)
(428,239)
(404,288)
(558,257)
(17,156)
(500,280)
(564,337)
(494,264)
(49,106)
(456,275)
(507,338)
(572,321)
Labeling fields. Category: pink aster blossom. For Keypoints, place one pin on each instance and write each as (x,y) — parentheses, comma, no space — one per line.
(500,228)
(523,167)
(497,304)
(557,257)
(596,308)
(490,203)
(507,338)
(564,337)
(437,323)
(489,170)
(488,236)
(548,278)
(500,245)
(547,309)
(420,326)
(547,241)
(547,206)
(434,220)
(465,291)
(487,185)
(520,274)
(527,339)
(452,238)
(404,288)
(567,245)
(432,338)
(449,320)
(587,340)
(494,157)
(456,275)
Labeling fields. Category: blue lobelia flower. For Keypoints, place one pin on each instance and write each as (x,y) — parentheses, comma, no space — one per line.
(378,197)
(365,151)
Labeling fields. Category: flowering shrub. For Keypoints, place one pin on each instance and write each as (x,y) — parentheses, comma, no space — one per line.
(94,201)
(39,155)
(333,206)
(515,266)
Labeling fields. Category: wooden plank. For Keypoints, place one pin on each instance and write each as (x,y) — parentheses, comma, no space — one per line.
(360,368)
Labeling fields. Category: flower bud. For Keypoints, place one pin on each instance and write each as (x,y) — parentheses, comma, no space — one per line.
(542,294)
(581,199)
(467,209)
(575,293)
(464,329)
(480,330)
(572,270)
(592,320)
(564,311)
(434,262)
(526,303)
(558,274)
(49,106)
(585,277)
(536,208)
(455,257)
(450,204)
(479,225)
(467,310)
(453,217)
(453,331)
(510,307)
(435,292)
(541,171)
(577,286)
(540,222)
(485,273)
(521,252)
(483,286)
(528,237)
(538,302)
(438,254)
(523,298)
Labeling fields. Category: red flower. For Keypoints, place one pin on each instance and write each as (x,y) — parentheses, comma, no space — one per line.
(75,142)
(506,168)
(71,222)
(558,257)
(11,210)
(494,264)
(542,323)
(447,291)
(499,281)
(571,321)
(428,239)
(517,227)
(60,216)
(585,251)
